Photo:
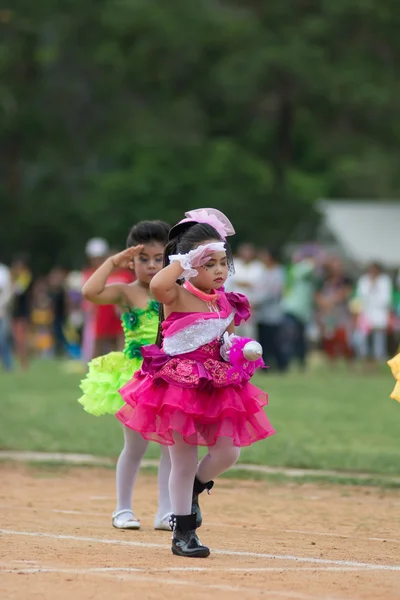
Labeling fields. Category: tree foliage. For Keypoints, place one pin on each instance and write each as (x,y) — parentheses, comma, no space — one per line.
(119,110)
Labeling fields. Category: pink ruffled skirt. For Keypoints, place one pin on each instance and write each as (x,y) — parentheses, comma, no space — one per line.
(197,395)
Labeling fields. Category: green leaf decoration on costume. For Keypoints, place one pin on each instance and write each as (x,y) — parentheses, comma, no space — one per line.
(134,349)
(130,320)
(154,305)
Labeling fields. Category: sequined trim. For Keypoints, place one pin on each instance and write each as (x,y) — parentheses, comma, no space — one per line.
(221,373)
(194,336)
(183,372)
(212,348)
(190,373)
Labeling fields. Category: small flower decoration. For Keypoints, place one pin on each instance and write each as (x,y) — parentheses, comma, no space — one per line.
(154,305)
(130,319)
(134,349)
(184,369)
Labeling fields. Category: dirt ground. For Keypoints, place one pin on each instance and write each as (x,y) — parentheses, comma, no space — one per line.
(300,542)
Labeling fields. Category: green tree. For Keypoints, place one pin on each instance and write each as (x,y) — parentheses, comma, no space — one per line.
(118,110)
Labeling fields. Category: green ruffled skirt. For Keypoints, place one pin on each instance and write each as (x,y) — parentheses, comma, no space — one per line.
(106,375)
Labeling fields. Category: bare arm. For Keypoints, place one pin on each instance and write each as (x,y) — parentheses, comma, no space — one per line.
(231,328)
(5,288)
(95,289)
(163,285)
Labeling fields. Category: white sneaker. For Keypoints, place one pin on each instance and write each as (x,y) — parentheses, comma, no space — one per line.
(162,523)
(125,523)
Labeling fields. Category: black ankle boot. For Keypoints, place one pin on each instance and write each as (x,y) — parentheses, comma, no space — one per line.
(198,488)
(184,539)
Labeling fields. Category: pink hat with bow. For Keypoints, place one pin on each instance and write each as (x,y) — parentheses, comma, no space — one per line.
(210,216)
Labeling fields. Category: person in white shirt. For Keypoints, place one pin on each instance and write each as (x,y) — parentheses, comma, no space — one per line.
(5,299)
(267,301)
(374,296)
(248,273)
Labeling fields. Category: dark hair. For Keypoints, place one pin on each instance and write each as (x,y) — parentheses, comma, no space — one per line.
(272,252)
(186,239)
(376,265)
(194,234)
(147,232)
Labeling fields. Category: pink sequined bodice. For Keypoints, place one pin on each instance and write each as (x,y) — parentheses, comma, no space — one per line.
(186,332)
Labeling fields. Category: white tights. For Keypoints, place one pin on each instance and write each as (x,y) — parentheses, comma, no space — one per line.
(184,468)
(128,468)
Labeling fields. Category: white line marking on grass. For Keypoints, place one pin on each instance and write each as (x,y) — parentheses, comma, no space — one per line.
(101,461)
(320,561)
(302,532)
(54,510)
(11,567)
(208,525)
(66,512)
(142,576)
(269,569)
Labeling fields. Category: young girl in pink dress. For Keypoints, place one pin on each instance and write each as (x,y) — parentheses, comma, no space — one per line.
(193,389)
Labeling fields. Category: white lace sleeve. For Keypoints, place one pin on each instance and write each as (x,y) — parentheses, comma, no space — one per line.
(196,258)
(185,262)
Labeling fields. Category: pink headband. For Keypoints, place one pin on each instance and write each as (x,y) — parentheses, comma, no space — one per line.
(212,217)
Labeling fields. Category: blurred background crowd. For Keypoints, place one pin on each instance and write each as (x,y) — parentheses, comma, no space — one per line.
(281,114)
(312,303)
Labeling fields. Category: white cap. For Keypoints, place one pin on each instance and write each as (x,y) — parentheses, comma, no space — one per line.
(97,248)
(74,281)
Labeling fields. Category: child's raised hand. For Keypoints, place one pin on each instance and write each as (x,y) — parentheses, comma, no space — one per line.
(196,258)
(202,254)
(126,258)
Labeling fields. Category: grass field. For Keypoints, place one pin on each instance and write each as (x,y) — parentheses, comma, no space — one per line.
(324,420)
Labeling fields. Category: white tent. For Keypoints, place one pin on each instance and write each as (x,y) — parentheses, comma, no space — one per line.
(365,231)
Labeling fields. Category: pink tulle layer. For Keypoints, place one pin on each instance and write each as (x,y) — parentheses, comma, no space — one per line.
(157,407)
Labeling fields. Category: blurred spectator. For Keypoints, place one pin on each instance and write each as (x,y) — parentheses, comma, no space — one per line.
(267,300)
(76,318)
(109,334)
(96,252)
(5,298)
(248,272)
(42,318)
(22,281)
(374,297)
(298,306)
(395,329)
(58,297)
(333,312)
(102,329)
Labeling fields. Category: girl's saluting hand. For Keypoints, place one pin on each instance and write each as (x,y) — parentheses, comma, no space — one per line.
(125,259)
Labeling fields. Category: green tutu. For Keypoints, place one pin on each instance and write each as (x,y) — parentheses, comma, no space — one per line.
(107,374)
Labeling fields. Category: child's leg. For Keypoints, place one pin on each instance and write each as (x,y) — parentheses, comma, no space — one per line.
(183,470)
(127,469)
(164,471)
(301,343)
(362,344)
(184,460)
(219,459)
(379,345)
